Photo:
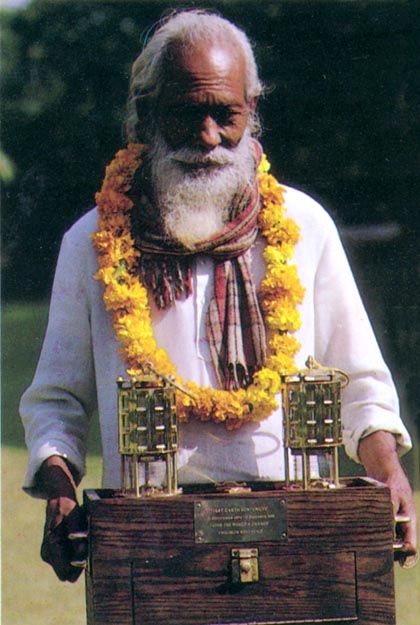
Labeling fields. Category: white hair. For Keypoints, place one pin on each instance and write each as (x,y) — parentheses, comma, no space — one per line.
(186,29)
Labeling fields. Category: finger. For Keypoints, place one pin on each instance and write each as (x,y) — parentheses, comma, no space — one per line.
(57,510)
(407,525)
(409,561)
(410,534)
(405,552)
(79,550)
(53,516)
(76,524)
(406,538)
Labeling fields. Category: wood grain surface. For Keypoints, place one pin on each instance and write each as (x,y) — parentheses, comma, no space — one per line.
(335,565)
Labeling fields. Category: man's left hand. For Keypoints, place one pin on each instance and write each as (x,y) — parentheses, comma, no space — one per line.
(378,454)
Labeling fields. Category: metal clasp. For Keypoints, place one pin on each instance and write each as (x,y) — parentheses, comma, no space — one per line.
(79,540)
(244,566)
(405,553)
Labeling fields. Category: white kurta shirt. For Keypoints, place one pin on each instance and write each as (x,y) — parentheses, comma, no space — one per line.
(80,360)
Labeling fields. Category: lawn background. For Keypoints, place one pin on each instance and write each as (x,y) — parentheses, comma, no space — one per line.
(31,594)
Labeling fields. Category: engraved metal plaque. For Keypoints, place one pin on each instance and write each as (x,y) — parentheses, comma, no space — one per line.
(240,520)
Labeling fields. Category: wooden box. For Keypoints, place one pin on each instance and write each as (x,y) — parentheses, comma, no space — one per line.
(318,556)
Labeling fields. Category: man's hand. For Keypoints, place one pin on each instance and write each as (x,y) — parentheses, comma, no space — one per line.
(64,544)
(57,510)
(378,454)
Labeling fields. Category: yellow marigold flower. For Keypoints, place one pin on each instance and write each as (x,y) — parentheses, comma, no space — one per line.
(284,320)
(264,165)
(162,363)
(229,406)
(267,380)
(106,274)
(284,343)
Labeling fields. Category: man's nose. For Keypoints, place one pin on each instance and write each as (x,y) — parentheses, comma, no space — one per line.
(208,134)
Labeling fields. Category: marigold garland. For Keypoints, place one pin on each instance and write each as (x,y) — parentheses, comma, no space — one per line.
(127,300)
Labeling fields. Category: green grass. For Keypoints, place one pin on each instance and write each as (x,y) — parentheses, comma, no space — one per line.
(31,594)
(23,328)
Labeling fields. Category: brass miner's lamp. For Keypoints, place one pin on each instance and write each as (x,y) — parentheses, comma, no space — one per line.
(147,431)
(312,421)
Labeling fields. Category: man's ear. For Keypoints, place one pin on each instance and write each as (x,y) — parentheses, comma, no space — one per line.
(253,104)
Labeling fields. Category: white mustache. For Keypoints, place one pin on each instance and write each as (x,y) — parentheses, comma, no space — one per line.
(219,157)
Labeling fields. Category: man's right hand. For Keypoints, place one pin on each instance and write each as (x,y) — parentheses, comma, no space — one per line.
(64,544)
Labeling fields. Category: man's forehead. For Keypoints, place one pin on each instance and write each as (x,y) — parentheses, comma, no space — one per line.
(205,61)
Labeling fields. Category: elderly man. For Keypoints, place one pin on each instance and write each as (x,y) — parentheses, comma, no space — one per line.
(199,262)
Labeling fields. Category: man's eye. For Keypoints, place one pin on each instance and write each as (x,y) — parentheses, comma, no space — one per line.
(194,115)
(188,113)
(225,117)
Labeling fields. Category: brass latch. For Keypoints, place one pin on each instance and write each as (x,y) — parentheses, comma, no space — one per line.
(244,566)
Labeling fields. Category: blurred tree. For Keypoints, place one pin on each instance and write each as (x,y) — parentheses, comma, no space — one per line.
(63,100)
(7,168)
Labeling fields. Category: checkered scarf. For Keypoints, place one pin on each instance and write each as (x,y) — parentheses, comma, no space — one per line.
(234,323)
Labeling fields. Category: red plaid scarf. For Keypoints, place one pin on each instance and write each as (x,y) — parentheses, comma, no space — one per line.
(234,323)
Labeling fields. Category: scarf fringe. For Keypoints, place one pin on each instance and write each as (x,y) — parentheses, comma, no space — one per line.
(168,279)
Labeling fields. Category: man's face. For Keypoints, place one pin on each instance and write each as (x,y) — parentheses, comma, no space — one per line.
(201,157)
(203,102)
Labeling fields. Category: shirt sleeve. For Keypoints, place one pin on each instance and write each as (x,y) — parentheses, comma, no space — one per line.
(56,408)
(344,338)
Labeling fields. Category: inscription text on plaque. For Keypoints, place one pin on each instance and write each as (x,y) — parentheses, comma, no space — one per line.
(240,520)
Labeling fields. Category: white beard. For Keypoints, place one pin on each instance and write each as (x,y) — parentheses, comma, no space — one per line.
(194,200)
